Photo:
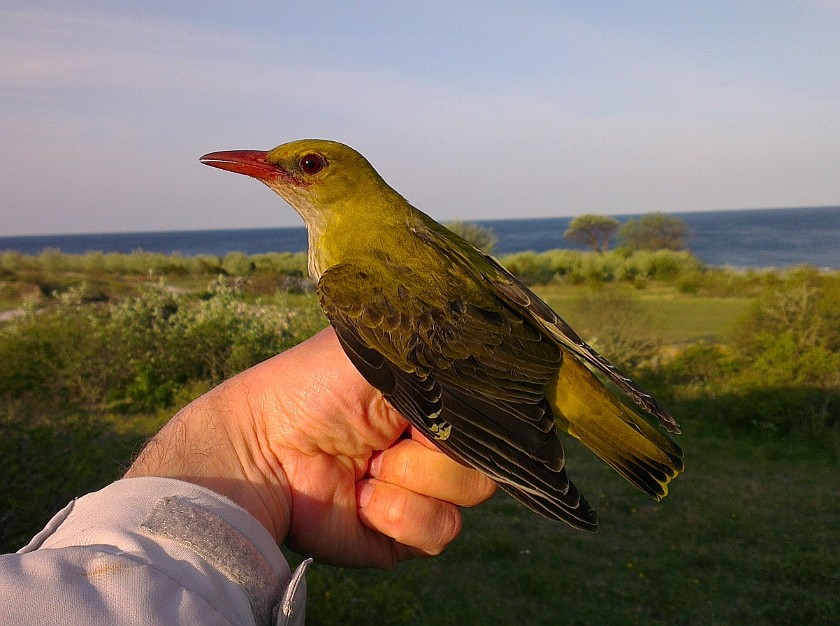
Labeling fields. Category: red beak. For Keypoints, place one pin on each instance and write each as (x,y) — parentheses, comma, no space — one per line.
(248,162)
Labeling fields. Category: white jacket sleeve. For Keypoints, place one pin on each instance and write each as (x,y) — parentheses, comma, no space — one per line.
(151,551)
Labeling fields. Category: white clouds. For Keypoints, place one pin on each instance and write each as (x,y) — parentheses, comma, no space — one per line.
(539,112)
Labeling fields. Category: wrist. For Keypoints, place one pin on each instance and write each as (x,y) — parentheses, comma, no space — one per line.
(214,442)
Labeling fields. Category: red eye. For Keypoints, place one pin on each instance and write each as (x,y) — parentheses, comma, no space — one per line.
(312,163)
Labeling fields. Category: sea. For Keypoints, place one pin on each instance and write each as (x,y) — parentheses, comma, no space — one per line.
(752,238)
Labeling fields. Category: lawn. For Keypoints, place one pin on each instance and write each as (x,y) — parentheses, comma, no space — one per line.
(748,535)
(677,318)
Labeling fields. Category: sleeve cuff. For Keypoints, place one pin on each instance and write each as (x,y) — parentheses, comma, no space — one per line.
(201,540)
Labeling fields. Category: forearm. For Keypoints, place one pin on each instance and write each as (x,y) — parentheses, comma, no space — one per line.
(214,442)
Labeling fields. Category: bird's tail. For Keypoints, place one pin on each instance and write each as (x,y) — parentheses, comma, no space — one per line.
(584,408)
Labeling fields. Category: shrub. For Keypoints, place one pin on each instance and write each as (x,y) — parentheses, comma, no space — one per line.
(52,261)
(284,263)
(782,376)
(701,368)
(481,237)
(137,353)
(71,372)
(238,264)
(204,265)
(617,327)
(11,261)
(594,231)
(663,267)
(578,266)
(531,268)
(655,231)
(727,283)
(93,263)
(792,337)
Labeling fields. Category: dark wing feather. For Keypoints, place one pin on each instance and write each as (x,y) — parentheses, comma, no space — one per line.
(455,367)
(515,294)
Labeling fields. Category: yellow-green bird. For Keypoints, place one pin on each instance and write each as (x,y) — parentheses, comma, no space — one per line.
(459,346)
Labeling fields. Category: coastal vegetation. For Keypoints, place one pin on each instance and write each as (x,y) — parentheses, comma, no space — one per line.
(654,231)
(593,231)
(481,237)
(97,351)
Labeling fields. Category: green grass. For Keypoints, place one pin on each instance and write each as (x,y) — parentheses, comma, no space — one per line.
(687,319)
(747,536)
(676,317)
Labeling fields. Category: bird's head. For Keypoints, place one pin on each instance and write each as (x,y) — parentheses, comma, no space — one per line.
(322,180)
(341,198)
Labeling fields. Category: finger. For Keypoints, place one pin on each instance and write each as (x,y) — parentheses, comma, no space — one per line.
(424,524)
(413,466)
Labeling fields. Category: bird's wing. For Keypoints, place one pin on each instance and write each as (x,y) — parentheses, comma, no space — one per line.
(511,290)
(463,368)
(582,406)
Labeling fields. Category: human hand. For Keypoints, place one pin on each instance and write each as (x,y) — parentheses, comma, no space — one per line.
(317,455)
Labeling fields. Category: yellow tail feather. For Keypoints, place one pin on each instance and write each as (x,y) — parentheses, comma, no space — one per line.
(588,411)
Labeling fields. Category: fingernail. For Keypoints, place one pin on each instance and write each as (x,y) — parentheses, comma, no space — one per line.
(375,466)
(365,493)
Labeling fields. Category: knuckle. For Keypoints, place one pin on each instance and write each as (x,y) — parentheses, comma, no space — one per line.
(478,488)
(450,526)
(395,512)
(403,467)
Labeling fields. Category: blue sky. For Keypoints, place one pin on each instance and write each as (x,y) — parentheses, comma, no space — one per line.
(472,110)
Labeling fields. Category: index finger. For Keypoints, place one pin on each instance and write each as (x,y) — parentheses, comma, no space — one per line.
(417,465)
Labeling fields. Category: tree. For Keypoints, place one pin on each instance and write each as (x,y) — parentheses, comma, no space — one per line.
(655,231)
(482,238)
(594,231)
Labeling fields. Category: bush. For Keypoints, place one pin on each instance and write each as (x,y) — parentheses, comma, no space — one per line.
(617,327)
(655,231)
(792,336)
(529,267)
(285,263)
(782,376)
(75,374)
(727,283)
(481,237)
(238,264)
(204,265)
(594,231)
(700,366)
(10,262)
(137,353)
(577,266)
